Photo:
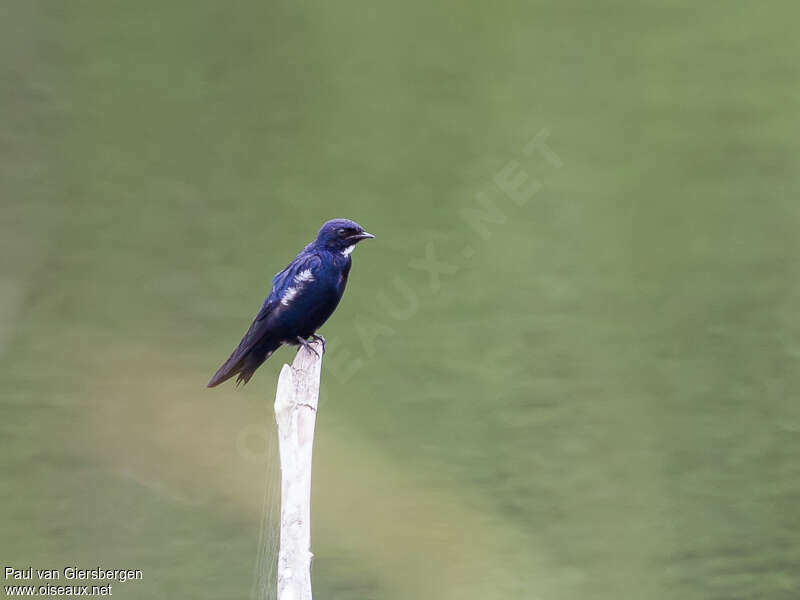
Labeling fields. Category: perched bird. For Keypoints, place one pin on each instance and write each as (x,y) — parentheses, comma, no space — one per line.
(303,296)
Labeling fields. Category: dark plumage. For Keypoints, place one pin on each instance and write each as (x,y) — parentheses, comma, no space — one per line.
(303,296)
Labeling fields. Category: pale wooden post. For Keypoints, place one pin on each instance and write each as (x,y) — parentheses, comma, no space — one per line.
(296,413)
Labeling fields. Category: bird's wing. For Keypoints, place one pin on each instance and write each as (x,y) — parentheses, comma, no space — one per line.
(302,266)
(302,269)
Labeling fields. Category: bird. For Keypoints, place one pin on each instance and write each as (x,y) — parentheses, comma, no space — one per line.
(303,297)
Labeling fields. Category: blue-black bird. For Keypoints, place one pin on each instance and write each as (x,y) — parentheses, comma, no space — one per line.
(303,296)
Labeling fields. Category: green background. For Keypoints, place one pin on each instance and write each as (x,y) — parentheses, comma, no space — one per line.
(597,399)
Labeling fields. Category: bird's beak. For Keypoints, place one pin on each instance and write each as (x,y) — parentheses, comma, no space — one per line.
(363,236)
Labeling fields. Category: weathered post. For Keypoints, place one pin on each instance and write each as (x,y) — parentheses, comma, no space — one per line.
(296,413)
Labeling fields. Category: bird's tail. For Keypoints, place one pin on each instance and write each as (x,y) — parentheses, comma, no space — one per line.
(251,363)
(225,372)
(243,364)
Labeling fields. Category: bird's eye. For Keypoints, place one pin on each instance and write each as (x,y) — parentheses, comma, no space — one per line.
(340,231)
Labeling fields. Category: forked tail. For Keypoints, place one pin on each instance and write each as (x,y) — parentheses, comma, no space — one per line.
(243,364)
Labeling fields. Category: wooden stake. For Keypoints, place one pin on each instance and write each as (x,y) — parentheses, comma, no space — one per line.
(296,413)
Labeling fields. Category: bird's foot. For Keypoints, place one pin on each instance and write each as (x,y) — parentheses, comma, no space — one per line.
(307,346)
(319,338)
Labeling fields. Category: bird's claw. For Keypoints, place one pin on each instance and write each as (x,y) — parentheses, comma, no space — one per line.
(319,338)
(307,346)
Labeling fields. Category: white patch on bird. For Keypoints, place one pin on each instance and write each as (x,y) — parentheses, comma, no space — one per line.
(349,250)
(289,296)
(304,276)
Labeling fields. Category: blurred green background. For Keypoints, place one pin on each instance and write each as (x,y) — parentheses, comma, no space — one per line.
(597,399)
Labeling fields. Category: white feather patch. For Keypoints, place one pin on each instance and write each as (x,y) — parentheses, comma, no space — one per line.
(304,276)
(289,296)
(349,250)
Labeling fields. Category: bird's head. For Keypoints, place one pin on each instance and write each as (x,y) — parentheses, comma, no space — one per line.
(342,235)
